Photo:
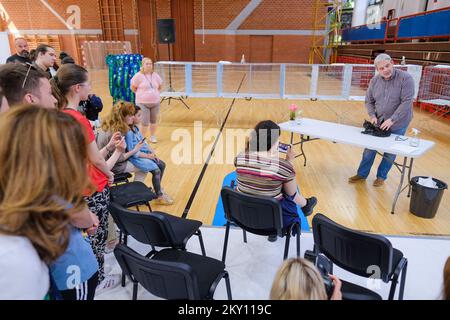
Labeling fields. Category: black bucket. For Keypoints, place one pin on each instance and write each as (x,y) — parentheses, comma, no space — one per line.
(425,200)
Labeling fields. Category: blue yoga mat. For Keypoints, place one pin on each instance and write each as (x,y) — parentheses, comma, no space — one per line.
(219,217)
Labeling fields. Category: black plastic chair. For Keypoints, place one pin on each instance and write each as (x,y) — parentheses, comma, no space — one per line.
(132,194)
(157,229)
(121,178)
(173,274)
(257,215)
(364,254)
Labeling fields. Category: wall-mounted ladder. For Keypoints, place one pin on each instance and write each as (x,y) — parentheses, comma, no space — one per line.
(111,15)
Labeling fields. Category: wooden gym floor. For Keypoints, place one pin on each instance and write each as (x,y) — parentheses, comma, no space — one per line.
(360,206)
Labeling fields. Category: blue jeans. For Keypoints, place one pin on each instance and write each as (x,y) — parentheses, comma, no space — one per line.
(290,212)
(385,165)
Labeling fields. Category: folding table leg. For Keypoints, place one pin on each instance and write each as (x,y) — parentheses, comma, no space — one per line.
(409,177)
(399,189)
(301,148)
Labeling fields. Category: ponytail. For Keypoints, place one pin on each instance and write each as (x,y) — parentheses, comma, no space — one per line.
(56,91)
(67,76)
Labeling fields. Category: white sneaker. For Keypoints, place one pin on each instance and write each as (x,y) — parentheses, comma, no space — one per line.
(153,139)
(111,245)
(165,200)
(110,282)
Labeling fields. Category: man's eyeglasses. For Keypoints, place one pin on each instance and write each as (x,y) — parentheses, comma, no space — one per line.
(30,66)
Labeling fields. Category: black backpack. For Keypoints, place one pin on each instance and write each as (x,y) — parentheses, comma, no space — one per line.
(91,107)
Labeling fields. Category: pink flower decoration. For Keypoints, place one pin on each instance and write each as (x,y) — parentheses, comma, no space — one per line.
(293,107)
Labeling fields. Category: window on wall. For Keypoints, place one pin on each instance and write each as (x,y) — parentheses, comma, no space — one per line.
(373,14)
(391,14)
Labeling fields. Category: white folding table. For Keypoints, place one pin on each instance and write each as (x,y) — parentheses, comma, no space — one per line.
(311,129)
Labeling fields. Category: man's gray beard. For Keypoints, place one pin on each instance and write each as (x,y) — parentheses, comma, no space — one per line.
(24,54)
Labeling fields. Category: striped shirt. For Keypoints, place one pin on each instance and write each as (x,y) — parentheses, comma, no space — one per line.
(262,176)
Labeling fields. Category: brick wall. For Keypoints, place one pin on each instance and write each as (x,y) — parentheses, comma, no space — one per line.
(285,48)
(218,14)
(163,9)
(269,15)
(33,15)
(281,15)
(30,15)
(129,17)
(219,47)
(291,48)
(89,11)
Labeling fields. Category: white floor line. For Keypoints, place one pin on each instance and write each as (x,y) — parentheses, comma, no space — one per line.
(252,265)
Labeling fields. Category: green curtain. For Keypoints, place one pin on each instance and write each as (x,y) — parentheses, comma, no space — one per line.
(122,68)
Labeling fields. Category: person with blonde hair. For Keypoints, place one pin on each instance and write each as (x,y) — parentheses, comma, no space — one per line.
(446,293)
(37,182)
(299,279)
(147,84)
(116,121)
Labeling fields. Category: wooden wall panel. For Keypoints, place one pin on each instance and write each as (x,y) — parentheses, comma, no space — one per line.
(147,28)
(261,49)
(184,46)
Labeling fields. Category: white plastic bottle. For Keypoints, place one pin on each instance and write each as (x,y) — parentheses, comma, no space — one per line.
(414,141)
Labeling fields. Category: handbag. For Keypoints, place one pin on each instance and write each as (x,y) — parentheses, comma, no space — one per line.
(374,130)
(91,107)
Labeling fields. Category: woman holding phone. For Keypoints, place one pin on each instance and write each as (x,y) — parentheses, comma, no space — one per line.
(70,86)
(261,171)
(116,122)
(146,160)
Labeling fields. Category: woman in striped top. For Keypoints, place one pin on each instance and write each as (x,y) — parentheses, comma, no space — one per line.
(260,171)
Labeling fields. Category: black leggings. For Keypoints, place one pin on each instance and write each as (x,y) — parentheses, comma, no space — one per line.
(157,176)
(84,291)
(98,204)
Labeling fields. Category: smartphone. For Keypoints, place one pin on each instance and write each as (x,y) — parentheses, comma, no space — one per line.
(283,147)
(324,265)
